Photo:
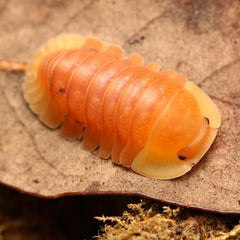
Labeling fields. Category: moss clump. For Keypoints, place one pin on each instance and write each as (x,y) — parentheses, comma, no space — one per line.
(142,222)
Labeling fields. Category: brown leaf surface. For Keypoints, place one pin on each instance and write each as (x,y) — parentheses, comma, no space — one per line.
(197,38)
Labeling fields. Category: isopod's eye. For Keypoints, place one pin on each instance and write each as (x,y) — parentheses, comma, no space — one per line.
(181,157)
(193,147)
(208,121)
(207,106)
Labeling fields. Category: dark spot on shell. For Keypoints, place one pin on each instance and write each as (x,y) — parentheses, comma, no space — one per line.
(181,157)
(207,120)
(77,121)
(62,90)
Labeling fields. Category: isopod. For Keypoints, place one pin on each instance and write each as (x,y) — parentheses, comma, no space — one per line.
(157,123)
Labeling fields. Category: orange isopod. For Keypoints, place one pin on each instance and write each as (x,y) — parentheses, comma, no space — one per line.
(157,123)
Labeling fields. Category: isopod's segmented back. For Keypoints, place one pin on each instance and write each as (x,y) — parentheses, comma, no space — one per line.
(157,123)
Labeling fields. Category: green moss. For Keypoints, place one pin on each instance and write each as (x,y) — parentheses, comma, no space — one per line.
(142,222)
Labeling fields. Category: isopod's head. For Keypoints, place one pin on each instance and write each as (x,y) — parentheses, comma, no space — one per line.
(181,136)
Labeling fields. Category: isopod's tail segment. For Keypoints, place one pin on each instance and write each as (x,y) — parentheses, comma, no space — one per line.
(151,161)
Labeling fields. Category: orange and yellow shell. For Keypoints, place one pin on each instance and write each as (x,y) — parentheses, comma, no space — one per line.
(157,123)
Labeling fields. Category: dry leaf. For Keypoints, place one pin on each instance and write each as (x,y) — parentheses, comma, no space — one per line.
(199,39)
